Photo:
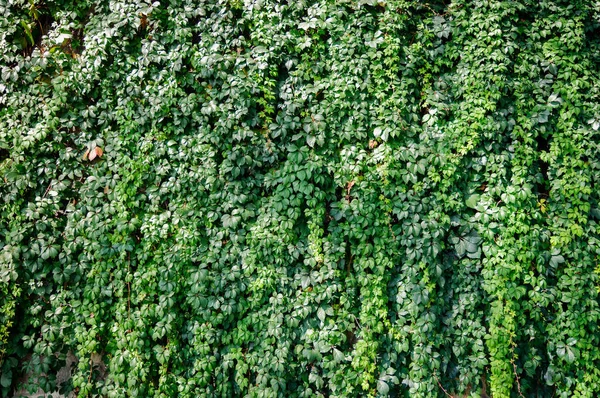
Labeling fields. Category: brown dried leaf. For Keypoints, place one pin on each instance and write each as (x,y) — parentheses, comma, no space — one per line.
(85,155)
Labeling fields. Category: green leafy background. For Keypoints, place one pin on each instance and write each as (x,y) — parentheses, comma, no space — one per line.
(303,198)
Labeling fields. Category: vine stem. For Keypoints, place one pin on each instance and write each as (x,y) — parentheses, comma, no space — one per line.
(442,387)
(512,361)
(517,378)
(47,189)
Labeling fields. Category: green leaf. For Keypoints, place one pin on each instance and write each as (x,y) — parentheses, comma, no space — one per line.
(555,260)
(473,200)
(6,378)
(382,387)
(338,356)
(321,314)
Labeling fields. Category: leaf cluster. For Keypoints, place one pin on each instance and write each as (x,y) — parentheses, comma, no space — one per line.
(310,198)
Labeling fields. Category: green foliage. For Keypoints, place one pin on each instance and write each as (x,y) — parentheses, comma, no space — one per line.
(331,198)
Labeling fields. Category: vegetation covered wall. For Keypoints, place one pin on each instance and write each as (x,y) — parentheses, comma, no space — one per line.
(305,198)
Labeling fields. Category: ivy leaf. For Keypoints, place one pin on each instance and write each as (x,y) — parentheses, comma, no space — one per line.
(566,352)
(338,356)
(549,376)
(473,200)
(321,314)
(382,387)
(556,259)
(6,378)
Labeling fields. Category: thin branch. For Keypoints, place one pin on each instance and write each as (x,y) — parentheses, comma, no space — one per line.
(47,190)
(517,378)
(442,387)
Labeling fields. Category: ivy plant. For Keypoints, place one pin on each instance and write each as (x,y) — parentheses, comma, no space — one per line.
(323,198)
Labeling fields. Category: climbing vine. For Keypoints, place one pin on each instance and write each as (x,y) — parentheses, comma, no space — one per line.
(293,199)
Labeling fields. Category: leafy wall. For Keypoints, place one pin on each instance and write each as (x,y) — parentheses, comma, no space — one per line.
(332,198)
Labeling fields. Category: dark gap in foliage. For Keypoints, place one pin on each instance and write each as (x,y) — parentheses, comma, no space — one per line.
(144,28)
(327,218)
(196,33)
(543,181)
(592,37)
(426,10)
(236,8)
(347,262)
(35,28)
(196,38)
(376,8)
(245,33)
(75,45)
(283,73)
(525,17)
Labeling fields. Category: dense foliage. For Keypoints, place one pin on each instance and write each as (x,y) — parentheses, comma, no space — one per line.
(306,198)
